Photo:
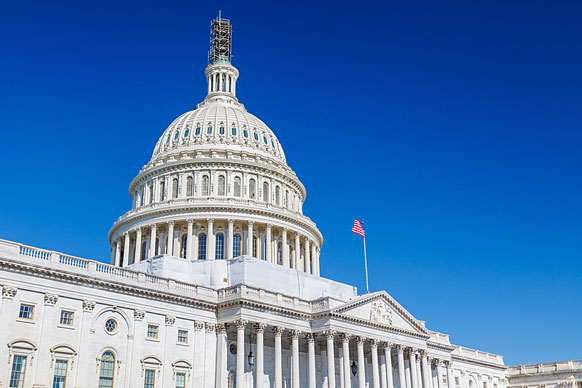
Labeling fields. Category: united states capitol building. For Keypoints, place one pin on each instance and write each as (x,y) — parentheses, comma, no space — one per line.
(214,281)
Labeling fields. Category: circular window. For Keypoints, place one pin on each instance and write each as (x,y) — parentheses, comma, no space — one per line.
(232,348)
(256,135)
(111,326)
(245,133)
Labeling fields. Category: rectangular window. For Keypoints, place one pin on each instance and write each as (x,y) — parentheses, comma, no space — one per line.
(60,374)
(18,371)
(457,381)
(26,311)
(66,318)
(180,380)
(149,380)
(183,336)
(445,379)
(153,331)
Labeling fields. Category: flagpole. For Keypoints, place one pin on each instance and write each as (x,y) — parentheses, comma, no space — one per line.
(366,265)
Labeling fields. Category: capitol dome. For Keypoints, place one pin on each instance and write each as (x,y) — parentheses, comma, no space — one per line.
(218,186)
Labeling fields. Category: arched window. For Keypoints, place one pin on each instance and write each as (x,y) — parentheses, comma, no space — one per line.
(252,188)
(141,196)
(152,193)
(237,186)
(221,130)
(205,190)
(233,131)
(176,135)
(197,132)
(184,243)
(236,245)
(219,246)
(255,246)
(143,250)
(202,246)
(287,198)
(189,186)
(221,185)
(162,190)
(265,192)
(209,130)
(277,195)
(106,370)
(175,188)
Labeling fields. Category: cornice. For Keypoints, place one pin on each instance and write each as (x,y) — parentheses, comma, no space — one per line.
(376,325)
(439,346)
(478,362)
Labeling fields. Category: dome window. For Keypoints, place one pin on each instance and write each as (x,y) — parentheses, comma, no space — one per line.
(272,143)
(265,139)
(221,130)
(209,130)
(176,135)
(186,132)
(256,135)
(233,131)
(245,133)
(197,133)
(168,139)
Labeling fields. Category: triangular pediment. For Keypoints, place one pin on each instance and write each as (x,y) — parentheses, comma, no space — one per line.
(381,309)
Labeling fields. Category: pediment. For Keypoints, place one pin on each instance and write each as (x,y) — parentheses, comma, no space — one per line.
(381,309)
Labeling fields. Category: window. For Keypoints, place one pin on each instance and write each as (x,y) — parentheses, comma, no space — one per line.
(180,380)
(265,140)
(205,190)
(111,325)
(197,132)
(236,245)
(277,195)
(107,366)
(66,318)
(60,376)
(151,193)
(153,331)
(272,143)
(26,311)
(18,371)
(287,198)
(219,246)
(265,192)
(221,185)
(184,246)
(256,136)
(168,138)
(470,383)
(252,189)
(445,379)
(202,246)
(143,250)
(141,196)
(189,186)
(457,381)
(176,135)
(183,336)
(233,131)
(237,186)
(175,188)
(255,244)
(162,190)
(209,130)
(245,133)
(149,379)
(221,130)
(186,132)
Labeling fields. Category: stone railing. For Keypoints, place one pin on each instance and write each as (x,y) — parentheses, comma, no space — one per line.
(546,367)
(478,355)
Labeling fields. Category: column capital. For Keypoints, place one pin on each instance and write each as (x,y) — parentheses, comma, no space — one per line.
(153,226)
(422,352)
(209,327)
(251,223)
(171,223)
(50,299)
(345,337)
(400,348)
(448,364)
(374,342)
(210,220)
(386,345)
(295,333)
(277,331)
(126,233)
(241,323)
(435,361)
(190,221)
(230,221)
(269,226)
(260,327)
(310,337)
(329,334)
(360,340)
(220,328)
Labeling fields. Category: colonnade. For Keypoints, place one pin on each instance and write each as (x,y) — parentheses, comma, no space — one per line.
(416,373)
(212,239)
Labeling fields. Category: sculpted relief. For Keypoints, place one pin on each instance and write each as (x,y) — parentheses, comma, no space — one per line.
(380,312)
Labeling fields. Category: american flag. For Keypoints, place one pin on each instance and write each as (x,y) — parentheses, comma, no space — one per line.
(357,229)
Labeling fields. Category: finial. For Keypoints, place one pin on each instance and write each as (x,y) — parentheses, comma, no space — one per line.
(220,40)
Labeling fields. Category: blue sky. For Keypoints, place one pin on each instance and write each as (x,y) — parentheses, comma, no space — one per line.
(453,128)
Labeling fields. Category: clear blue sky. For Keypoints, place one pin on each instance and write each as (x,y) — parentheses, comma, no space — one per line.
(453,128)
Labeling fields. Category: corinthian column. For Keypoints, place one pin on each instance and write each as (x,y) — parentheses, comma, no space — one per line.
(240,352)
(260,329)
(388,365)
(306,259)
(277,331)
(250,238)
(285,249)
(230,238)
(311,359)
(269,244)
(137,257)
(153,241)
(297,256)
(425,370)
(295,358)
(189,238)
(126,249)
(375,371)
(413,373)
(345,337)
(171,239)
(330,359)
(450,376)
(361,362)
(210,241)
(401,374)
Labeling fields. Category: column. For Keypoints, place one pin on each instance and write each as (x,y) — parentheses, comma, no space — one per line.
(361,363)
(311,359)
(189,238)
(345,337)
(260,329)
(250,238)
(277,331)
(268,244)
(285,252)
(117,252)
(221,356)
(439,377)
(229,238)
(330,359)
(170,246)
(419,371)
(401,375)
(315,269)
(375,371)
(413,373)
(388,364)
(210,243)
(126,249)
(153,241)
(137,257)
(295,358)
(297,255)
(240,352)
(306,259)
(316,257)
(425,370)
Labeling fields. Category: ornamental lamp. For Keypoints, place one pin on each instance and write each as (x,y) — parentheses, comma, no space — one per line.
(251,358)
(354,368)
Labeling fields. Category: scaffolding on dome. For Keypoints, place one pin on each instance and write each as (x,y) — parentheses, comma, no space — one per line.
(220,40)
